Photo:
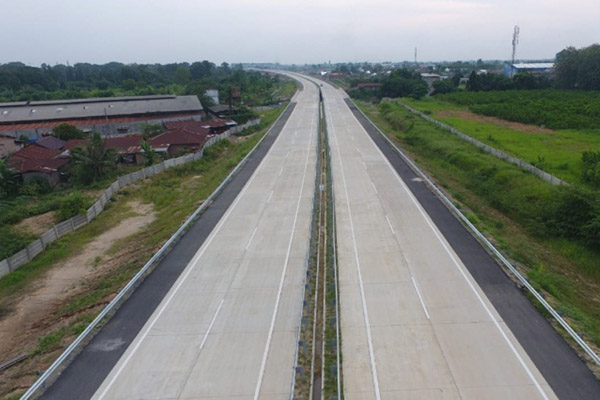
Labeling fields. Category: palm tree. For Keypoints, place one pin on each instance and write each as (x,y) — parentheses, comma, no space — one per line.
(93,160)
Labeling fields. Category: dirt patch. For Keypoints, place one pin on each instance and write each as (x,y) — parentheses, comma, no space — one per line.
(23,322)
(37,224)
(470,116)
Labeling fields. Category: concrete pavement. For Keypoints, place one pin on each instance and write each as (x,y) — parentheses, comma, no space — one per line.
(228,327)
(415,325)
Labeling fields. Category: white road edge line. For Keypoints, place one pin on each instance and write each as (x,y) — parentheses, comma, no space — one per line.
(189,268)
(285,266)
(212,322)
(252,236)
(427,219)
(390,224)
(357,260)
(420,297)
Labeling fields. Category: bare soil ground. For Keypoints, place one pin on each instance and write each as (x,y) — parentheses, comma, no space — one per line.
(470,116)
(37,224)
(32,315)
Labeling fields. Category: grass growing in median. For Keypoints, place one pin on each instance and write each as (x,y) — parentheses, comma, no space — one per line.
(557,152)
(505,203)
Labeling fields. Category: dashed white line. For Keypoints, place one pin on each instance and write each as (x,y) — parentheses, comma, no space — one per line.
(280,171)
(374,187)
(460,269)
(285,266)
(358,270)
(212,322)
(251,237)
(271,195)
(390,224)
(420,297)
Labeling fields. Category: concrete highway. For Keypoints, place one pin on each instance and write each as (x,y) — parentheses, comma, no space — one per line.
(228,326)
(415,324)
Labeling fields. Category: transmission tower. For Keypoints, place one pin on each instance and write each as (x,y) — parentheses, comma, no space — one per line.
(515,42)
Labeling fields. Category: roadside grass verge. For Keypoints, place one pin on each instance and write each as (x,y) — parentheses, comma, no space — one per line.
(174,195)
(556,152)
(502,200)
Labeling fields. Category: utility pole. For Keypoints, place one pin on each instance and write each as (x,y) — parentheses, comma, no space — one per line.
(416,57)
(515,42)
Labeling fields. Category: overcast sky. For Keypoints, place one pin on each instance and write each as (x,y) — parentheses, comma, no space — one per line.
(289,31)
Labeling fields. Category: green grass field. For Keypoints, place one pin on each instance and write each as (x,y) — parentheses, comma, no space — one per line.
(508,205)
(557,152)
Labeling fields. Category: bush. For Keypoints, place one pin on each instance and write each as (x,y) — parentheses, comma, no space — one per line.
(72,205)
(35,187)
(591,167)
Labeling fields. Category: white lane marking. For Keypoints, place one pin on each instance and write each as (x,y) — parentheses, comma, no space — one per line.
(364,165)
(251,237)
(285,266)
(374,188)
(358,269)
(212,322)
(280,171)
(271,195)
(287,154)
(420,297)
(390,224)
(456,263)
(191,266)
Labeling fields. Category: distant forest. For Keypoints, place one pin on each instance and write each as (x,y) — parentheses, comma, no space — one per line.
(19,82)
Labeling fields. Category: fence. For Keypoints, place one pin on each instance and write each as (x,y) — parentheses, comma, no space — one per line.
(488,149)
(24,256)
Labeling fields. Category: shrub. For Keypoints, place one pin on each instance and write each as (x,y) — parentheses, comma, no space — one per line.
(72,205)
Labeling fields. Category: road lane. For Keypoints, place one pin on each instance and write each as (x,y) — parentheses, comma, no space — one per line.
(228,326)
(415,325)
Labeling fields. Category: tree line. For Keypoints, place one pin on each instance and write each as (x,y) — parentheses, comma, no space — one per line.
(19,82)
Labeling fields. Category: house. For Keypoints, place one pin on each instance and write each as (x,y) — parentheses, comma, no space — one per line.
(39,162)
(368,85)
(128,148)
(107,116)
(214,126)
(176,142)
(50,142)
(7,146)
(221,110)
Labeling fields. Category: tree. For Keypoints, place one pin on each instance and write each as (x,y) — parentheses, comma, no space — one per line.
(66,131)
(151,130)
(182,75)
(92,161)
(149,153)
(578,68)
(444,86)
(8,180)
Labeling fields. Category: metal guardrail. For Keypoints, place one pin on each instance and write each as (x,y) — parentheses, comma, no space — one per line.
(132,284)
(584,346)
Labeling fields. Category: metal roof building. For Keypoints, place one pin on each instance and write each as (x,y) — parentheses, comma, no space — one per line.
(37,111)
(108,116)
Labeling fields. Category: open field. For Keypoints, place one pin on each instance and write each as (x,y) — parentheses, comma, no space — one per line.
(555,151)
(164,201)
(505,203)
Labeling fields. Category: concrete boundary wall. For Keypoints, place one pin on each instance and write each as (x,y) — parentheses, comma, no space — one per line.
(488,149)
(24,256)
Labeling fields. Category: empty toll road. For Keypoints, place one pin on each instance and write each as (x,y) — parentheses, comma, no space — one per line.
(228,326)
(415,325)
